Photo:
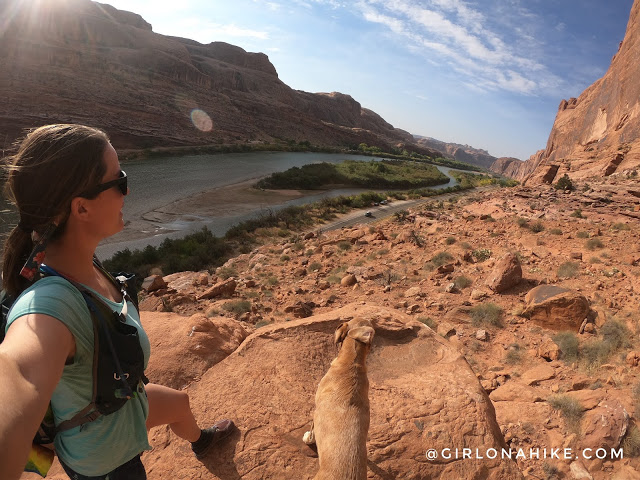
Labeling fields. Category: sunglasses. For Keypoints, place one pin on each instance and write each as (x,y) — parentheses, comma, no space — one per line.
(120,182)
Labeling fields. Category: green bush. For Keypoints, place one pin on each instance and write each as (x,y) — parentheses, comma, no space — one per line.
(568,270)
(481,254)
(564,183)
(486,314)
(583,234)
(555,231)
(227,272)
(522,222)
(569,344)
(577,213)
(450,240)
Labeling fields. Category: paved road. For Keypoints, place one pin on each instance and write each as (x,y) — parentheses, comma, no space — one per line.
(384,211)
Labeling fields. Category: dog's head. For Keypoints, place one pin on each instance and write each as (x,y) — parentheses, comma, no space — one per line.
(360,329)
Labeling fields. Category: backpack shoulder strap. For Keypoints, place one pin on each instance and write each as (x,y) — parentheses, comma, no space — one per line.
(97,308)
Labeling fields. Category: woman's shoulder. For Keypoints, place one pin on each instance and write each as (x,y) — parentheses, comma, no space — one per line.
(51,296)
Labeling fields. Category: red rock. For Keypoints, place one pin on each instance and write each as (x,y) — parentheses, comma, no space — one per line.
(423,395)
(153,282)
(604,426)
(556,308)
(225,288)
(506,274)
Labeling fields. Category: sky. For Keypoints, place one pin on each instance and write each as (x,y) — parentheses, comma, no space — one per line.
(485,73)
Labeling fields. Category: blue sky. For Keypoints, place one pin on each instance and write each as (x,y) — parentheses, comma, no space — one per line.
(487,73)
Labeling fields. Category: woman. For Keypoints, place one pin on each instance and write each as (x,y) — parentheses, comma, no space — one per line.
(69,189)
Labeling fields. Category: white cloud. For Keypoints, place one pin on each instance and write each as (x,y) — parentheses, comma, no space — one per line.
(461,36)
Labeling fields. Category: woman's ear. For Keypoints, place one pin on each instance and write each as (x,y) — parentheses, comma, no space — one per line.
(78,208)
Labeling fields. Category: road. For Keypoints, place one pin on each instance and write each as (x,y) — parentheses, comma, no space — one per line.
(384,211)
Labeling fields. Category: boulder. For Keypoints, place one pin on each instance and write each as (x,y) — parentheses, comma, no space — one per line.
(604,426)
(506,274)
(538,374)
(153,283)
(515,391)
(183,348)
(348,280)
(225,288)
(300,309)
(423,395)
(548,349)
(556,307)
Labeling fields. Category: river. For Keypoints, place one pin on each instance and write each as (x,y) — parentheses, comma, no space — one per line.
(158,182)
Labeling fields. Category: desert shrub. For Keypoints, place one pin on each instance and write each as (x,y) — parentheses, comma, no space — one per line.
(631,442)
(583,234)
(555,231)
(441,258)
(551,471)
(486,314)
(593,243)
(237,306)
(262,323)
(481,254)
(537,227)
(615,336)
(564,183)
(570,409)
(568,270)
(595,260)
(514,354)
(344,245)
(285,258)
(462,282)
(522,222)
(227,272)
(568,344)
(401,215)
(272,280)
(621,226)
(315,266)
(450,240)
(465,245)
(577,213)
(429,322)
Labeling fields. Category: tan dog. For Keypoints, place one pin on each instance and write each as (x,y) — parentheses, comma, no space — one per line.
(341,419)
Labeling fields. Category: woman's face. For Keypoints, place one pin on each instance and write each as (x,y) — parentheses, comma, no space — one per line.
(107,206)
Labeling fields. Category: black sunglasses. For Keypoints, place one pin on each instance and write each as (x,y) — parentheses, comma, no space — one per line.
(120,182)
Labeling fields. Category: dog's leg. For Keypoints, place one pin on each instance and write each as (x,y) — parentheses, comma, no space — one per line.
(309,437)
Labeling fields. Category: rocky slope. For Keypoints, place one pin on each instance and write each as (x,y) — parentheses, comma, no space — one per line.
(598,133)
(80,61)
(506,318)
(466,153)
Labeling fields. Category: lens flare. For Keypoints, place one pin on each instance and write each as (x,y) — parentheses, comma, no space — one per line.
(201,120)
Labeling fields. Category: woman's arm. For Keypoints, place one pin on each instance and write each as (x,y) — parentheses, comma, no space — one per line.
(32,357)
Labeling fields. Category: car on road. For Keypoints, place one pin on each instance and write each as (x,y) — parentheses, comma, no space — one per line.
(383,202)
(368,214)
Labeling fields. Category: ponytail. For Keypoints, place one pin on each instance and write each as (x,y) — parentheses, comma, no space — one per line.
(17,247)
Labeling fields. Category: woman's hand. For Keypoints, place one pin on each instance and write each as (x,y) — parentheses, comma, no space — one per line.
(32,357)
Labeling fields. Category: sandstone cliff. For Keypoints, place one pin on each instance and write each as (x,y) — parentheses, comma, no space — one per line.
(86,62)
(598,133)
(462,153)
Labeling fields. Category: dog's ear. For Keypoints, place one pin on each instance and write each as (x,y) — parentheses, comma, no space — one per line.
(362,334)
(341,333)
